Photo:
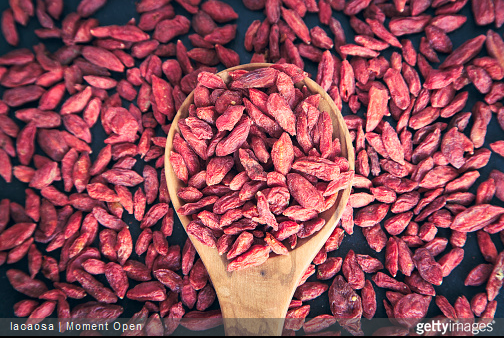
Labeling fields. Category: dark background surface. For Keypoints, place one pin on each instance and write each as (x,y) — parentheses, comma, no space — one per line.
(119,12)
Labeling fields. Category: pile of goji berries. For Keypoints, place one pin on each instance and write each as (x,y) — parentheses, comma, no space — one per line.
(258,200)
(422,186)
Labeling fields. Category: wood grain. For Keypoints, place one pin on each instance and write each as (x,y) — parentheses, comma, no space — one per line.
(254,301)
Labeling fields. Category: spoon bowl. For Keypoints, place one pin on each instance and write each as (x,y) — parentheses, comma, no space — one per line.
(254,301)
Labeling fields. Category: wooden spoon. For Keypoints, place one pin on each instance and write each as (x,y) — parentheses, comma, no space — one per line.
(254,301)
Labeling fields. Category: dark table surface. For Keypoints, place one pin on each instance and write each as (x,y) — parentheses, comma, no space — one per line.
(121,11)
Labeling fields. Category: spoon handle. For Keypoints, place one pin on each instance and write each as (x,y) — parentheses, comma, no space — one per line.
(253,327)
(252,309)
